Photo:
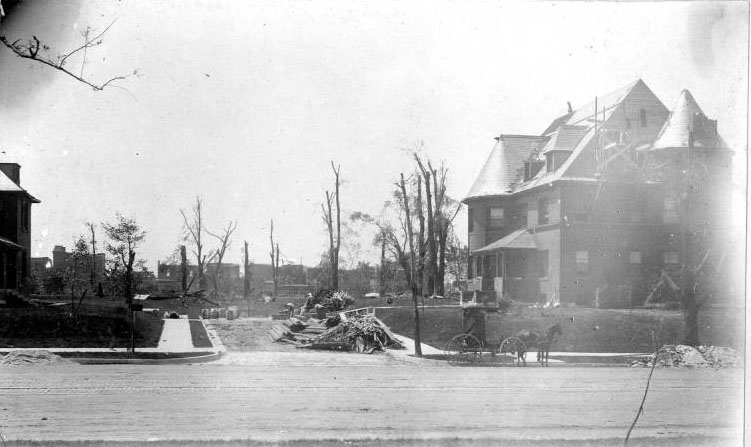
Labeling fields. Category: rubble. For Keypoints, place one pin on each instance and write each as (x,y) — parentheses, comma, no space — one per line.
(363,333)
(330,301)
(32,357)
(677,356)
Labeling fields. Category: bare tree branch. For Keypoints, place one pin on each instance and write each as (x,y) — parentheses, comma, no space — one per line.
(31,49)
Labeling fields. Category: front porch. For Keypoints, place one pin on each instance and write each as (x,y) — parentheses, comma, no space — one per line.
(11,261)
(514,267)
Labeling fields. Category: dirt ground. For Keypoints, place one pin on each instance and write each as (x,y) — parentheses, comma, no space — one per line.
(248,334)
(329,399)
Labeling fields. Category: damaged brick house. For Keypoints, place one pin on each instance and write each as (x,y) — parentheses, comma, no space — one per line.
(15,230)
(592,210)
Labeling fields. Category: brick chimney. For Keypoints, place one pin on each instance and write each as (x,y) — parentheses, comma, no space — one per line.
(13,171)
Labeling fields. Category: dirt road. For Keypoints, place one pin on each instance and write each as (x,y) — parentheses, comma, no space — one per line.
(334,396)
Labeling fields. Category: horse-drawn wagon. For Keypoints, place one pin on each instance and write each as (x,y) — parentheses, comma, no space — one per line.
(473,346)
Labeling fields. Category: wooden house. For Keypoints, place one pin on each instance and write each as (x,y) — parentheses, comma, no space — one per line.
(589,211)
(15,230)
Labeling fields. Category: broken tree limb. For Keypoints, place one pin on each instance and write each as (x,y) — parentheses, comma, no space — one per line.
(644,398)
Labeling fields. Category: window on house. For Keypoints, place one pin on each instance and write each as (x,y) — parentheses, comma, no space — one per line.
(519,215)
(471,220)
(628,123)
(478,267)
(670,210)
(582,261)
(470,264)
(634,257)
(495,218)
(670,257)
(550,162)
(642,118)
(25,211)
(542,211)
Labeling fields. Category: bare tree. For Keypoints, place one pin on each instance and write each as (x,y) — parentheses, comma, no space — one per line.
(335,237)
(274,259)
(217,276)
(194,233)
(92,230)
(416,290)
(33,49)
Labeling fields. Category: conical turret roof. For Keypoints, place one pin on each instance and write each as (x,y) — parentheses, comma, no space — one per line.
(687,117)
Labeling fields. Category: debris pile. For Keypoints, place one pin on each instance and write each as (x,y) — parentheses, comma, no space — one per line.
(330,301)
(676,356)
(361,333)
(32,357)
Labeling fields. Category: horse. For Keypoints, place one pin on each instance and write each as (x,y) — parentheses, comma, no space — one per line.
(545,341)
(541,341)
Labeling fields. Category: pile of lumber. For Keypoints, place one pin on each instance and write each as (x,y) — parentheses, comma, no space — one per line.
(298,331)
(356,333)
(331,301)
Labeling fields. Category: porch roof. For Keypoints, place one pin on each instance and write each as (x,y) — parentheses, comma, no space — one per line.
(8,243)
(517,239)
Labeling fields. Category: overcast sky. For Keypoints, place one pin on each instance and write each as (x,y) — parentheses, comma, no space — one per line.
(246,102)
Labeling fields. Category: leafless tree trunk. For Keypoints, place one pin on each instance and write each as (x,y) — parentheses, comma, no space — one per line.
(431,217)
(194,232)
(421,245)
(183,269)
(328,220)
(246,274)
(217,276)
(92,229)
(415,289)
(274,258)
(382,270)
(335,239)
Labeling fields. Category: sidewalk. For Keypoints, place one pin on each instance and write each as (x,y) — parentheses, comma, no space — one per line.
(175,343)
(175,336)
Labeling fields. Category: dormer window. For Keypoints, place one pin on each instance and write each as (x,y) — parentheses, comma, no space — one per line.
(550,162)
(642,118)
(531,168)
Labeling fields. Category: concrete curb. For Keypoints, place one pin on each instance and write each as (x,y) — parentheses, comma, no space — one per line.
(87,356)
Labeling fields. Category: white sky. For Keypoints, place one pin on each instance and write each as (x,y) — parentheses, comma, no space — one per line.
(246,102)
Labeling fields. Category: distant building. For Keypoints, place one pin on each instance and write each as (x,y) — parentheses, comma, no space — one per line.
(61,261)
(592,210)
(40,266)
(15,229)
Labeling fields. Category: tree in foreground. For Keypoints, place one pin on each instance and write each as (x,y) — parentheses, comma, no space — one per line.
(124,237)
(334,227)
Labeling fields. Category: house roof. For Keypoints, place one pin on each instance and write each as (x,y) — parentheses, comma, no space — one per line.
(502,169)
(557,123)
(501,173)
(565,138)
(8,185)
(685,118)
(517,239)
(585,115)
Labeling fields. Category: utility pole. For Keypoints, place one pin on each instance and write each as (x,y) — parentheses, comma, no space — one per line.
(691,312)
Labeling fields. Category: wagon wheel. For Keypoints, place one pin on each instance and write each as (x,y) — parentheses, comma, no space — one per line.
(463,349)
(511,346)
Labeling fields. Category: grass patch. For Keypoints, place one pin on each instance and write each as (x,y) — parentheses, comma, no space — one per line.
(199,336)
(55,327)
(593,330)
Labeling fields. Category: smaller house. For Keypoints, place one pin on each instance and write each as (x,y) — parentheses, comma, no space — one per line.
(15,230)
